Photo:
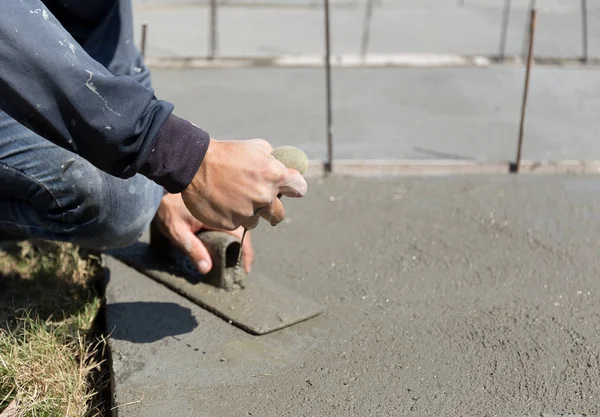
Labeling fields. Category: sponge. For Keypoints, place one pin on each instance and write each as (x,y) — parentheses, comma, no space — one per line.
(291,157)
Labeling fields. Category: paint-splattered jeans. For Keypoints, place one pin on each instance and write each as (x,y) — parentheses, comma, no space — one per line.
(50,193)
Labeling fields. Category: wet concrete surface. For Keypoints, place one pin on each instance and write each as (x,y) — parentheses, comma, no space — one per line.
(444,296)
(395,113)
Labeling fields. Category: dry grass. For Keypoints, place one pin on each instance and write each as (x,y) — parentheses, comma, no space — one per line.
(48,351)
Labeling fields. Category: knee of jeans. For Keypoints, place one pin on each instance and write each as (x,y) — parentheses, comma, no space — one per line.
(113,213)
(130,211)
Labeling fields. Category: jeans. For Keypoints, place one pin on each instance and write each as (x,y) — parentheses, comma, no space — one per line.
(50,193)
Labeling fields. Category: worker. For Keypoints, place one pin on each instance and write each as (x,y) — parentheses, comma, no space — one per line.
(89,154)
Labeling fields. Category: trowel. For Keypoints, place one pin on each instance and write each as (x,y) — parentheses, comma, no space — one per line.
(254,303)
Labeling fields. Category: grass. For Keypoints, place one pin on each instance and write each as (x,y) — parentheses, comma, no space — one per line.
(50,352)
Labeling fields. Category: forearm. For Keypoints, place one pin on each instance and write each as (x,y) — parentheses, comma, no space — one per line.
(51,85)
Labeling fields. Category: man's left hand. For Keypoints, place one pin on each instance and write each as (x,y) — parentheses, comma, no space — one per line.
(177,224)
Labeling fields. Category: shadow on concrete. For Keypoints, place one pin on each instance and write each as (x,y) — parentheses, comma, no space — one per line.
(141,257)
(147,322)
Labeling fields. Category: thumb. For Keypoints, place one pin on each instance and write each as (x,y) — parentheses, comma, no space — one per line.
(293,184)
(197,252)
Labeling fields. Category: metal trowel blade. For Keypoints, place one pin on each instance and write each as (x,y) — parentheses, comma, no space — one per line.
(261,307)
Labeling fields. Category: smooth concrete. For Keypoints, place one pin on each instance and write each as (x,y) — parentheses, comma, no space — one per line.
(397,113)
(414,26)
(461,295)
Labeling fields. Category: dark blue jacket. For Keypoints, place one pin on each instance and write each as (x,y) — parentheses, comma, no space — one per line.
(69,71)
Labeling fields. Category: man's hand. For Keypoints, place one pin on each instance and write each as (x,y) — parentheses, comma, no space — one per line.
(176,223)
(238,183)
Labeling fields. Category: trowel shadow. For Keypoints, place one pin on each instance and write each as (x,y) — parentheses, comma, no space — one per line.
(147,322)
(141,257)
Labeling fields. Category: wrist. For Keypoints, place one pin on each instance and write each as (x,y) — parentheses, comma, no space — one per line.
(176,154)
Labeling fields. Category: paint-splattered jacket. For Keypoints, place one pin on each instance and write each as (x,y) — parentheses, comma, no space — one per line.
(69,71)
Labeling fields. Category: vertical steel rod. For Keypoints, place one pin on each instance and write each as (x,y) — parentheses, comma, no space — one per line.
(584,25)
(527,35)
(143,42)
(532,20)
(212,51)
(504,34)
(329,164)
(366,29)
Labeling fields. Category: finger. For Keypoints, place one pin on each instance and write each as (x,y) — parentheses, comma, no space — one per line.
(238,232)
(196,251)
(293,184)
(251,222)
(275,213)
(248,253)
(195,224)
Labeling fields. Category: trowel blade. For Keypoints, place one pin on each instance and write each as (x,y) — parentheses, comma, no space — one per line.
(262,307)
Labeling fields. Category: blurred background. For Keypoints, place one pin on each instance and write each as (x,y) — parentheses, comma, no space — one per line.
(411,79)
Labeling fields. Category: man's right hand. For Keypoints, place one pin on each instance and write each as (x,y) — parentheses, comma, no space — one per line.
(238,183)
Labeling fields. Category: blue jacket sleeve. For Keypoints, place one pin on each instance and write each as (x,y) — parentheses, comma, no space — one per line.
(51,85)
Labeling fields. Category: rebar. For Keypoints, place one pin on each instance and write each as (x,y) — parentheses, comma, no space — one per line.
(584,25)
(504,34)
(213,30)
(532,21)
(366,29)
(527,32)
(329,164)
(143,41)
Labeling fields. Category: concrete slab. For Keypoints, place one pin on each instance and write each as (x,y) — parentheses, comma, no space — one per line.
(478,31)
(546,5)
(397,113)
(397,27)
(445,296)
